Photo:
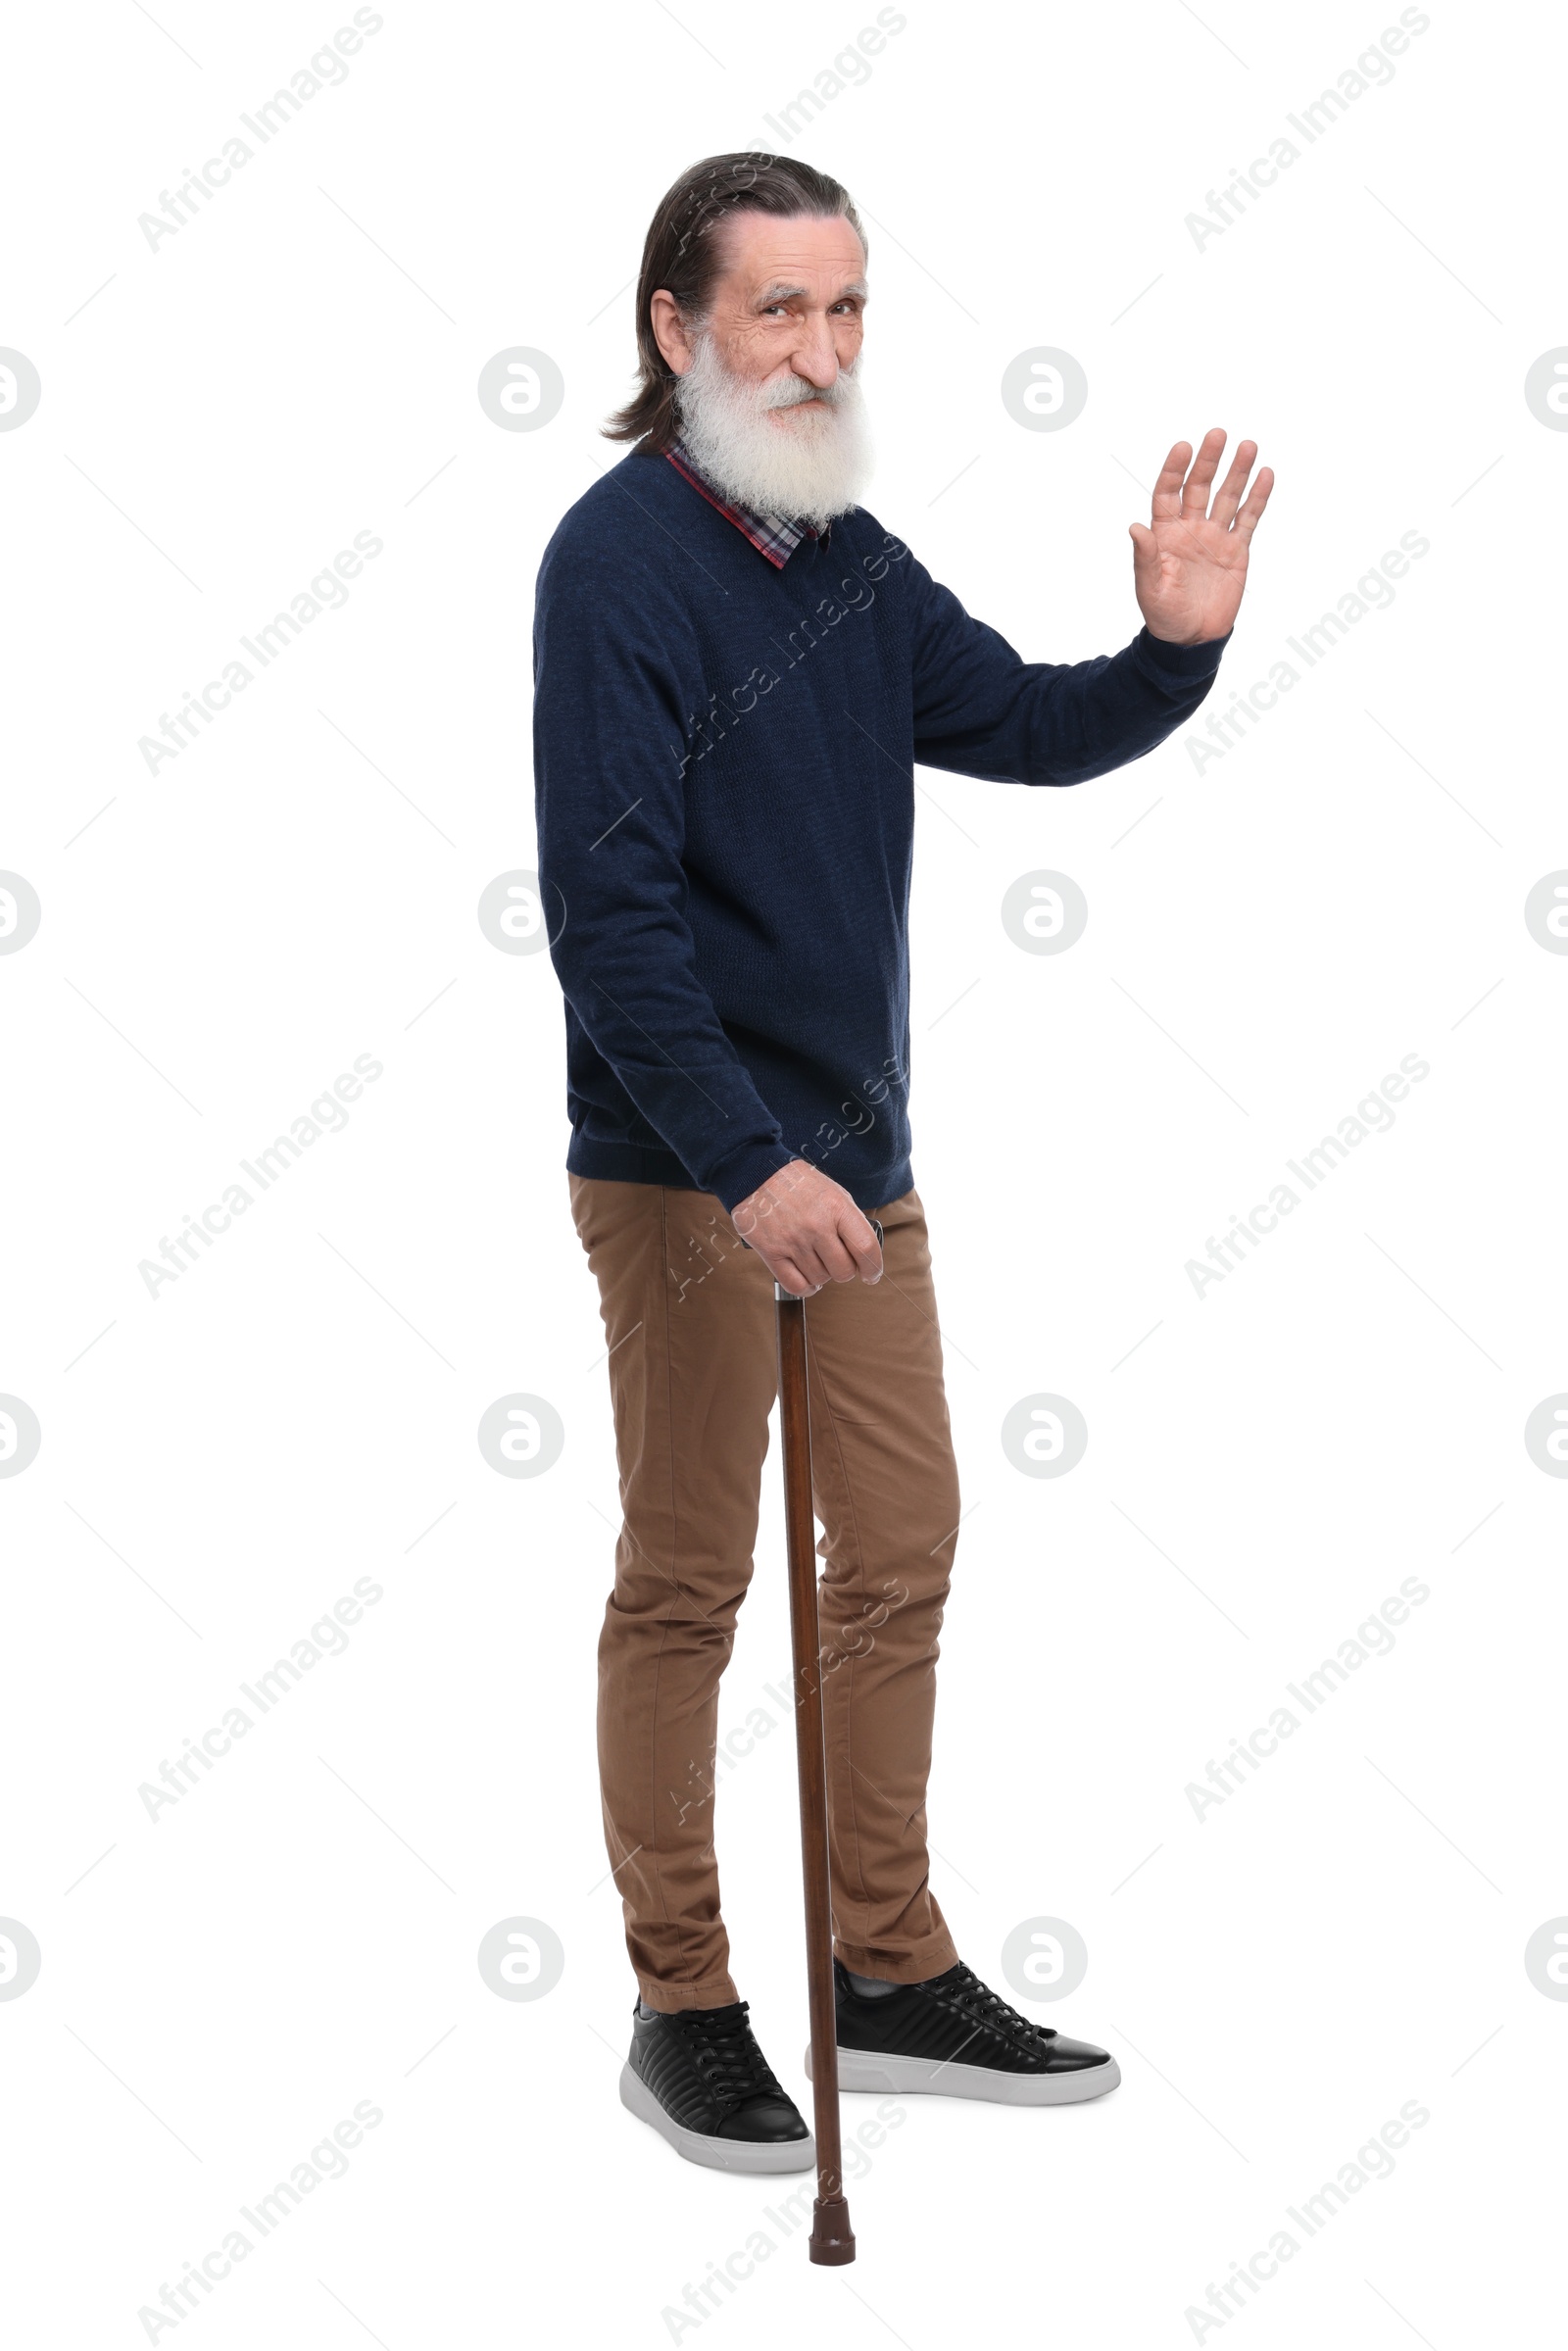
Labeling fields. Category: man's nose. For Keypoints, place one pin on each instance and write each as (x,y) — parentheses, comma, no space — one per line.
(816,357)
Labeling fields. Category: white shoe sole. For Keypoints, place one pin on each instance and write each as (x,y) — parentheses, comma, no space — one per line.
(718,2154)
(917,2076)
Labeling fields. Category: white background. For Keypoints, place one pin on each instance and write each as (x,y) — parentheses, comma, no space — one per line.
(1345,1933)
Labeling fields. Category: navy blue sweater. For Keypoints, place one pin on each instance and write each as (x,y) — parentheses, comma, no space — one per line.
(723,760)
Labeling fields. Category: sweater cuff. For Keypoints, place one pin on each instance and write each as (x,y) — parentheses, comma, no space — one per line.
(1180,661)
(735,1178)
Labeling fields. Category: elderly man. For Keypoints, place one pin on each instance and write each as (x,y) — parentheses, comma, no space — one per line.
(737,670)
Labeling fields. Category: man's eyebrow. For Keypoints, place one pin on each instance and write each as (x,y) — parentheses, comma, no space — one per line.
(779,292)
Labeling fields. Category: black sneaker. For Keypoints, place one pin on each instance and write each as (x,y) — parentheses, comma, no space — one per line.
(702,2082)
(953,2035)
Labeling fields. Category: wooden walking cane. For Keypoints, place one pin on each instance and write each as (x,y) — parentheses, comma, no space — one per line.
(832,2239)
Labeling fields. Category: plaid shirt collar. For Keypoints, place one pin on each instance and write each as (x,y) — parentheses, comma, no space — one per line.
(770,534)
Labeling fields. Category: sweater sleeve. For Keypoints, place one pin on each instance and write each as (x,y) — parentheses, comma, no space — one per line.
(981,710)
(615,673)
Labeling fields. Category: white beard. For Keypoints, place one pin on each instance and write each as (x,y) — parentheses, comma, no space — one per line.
(807,471)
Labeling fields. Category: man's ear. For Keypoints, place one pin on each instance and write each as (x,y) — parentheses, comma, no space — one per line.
(669,331)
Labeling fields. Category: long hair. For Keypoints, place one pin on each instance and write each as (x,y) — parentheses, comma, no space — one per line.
(682,254)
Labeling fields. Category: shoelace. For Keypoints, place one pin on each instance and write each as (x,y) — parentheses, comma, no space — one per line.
(995,2013)
(724,2052)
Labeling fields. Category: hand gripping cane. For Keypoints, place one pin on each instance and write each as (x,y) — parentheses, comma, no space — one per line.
(832,2239)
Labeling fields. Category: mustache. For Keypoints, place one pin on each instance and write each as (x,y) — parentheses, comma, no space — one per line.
(794,390)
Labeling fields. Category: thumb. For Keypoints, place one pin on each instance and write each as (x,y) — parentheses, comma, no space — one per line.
(1145,545)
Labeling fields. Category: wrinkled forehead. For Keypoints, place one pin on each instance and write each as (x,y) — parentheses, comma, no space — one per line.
(804,257)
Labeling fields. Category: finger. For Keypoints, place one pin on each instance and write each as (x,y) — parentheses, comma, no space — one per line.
(1229,496)
(1194,490)
(807,1254)
(790,1277)
(1167,498)
(1258,499)
(834,1262)
(1145,547)
(863,1246)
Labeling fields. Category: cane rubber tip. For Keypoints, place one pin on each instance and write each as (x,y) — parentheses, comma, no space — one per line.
(832,2239)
